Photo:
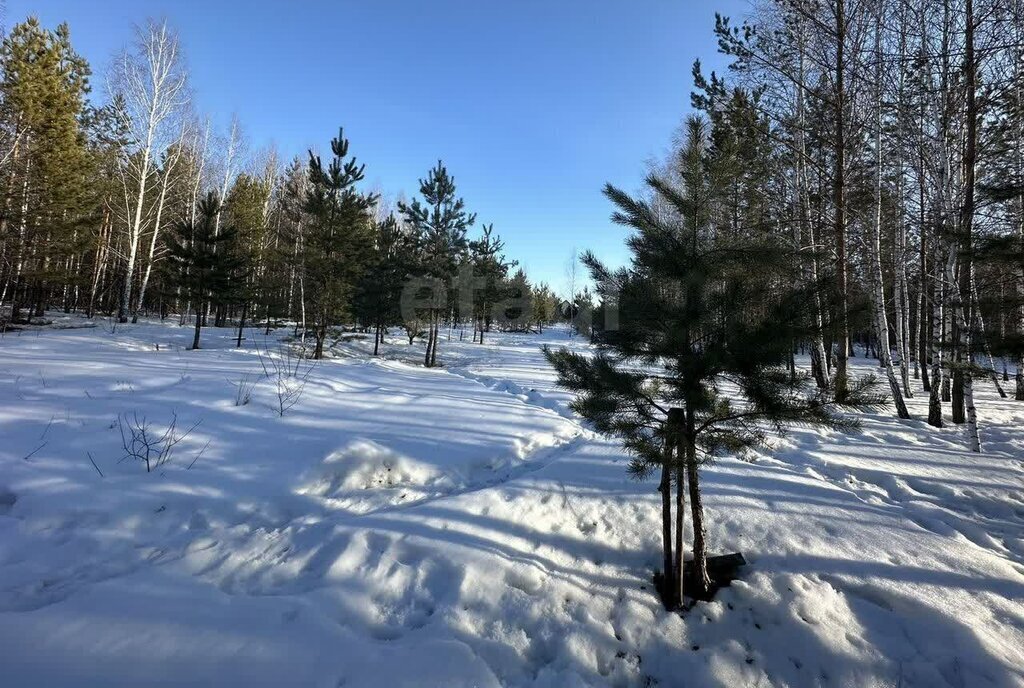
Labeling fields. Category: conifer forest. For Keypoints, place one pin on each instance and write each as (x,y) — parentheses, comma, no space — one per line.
(392,408)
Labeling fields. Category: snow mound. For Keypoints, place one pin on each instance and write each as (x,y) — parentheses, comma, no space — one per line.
(364,476)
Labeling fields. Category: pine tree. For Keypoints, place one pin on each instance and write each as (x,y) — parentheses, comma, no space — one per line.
(291,254)
(207,266)
(379,295)
(106,141)
(695,311)
(338,242)
(440,223)
(516,308)
(489,267)
(50,202)
(246,211)
(544,306)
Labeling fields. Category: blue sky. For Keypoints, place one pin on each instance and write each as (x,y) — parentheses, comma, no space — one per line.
(532,105)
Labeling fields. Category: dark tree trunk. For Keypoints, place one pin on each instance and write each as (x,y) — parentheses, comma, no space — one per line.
(675,429)
(839,198)
(122,308)
(924,328)
(430,339)
(241,324)
(818,368)
(957,413)
(700,551)
(669,582)
(437,335)
(321,335)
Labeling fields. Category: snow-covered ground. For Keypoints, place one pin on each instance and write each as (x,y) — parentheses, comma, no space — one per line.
(458,527)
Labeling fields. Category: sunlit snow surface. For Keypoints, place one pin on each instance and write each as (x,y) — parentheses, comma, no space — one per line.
(458,527)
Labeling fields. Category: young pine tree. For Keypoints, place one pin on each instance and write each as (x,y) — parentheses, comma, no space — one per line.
(516,309)
(339,240)
(543,304)
(440,224)
(490,267)
(207,266)
(246,210)
(378,300)
(695,312)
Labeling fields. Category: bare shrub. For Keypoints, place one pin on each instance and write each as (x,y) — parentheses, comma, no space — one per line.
(142,442)
(243,389)
(288,372)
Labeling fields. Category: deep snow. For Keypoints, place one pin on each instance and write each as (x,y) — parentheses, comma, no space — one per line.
(458,527)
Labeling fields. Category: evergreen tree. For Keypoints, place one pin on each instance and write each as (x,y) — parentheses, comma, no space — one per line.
(581,313)
(51,200)
(106,141)
(291,254)
(338,242)
(695,312)
(544,305)
(207,266)
(440,224)
(246,210)
(381,288)
(489,267)
(516,309)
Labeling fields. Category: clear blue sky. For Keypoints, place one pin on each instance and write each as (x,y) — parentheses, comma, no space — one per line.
(532,104)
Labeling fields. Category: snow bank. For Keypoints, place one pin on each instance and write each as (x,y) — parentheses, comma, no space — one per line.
(364,476)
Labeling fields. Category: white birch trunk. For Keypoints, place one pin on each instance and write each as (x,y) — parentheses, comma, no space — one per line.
(875,248)
(152,84)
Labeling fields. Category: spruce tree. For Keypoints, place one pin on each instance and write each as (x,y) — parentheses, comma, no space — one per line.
(695,312)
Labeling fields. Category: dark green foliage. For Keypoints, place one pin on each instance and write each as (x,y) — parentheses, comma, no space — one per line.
(208,268)
(339,239)
(51,194)
(695,366)
(439,224)
(489,267)
(378,300)
(515,306)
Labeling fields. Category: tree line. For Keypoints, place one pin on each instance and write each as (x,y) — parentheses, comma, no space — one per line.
(137,206)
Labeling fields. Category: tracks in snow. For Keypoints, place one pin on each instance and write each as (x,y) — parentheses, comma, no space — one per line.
(530,397)
(952,502)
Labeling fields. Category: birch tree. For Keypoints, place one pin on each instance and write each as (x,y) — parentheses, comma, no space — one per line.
(874,243)
(152,84)
(169,178)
